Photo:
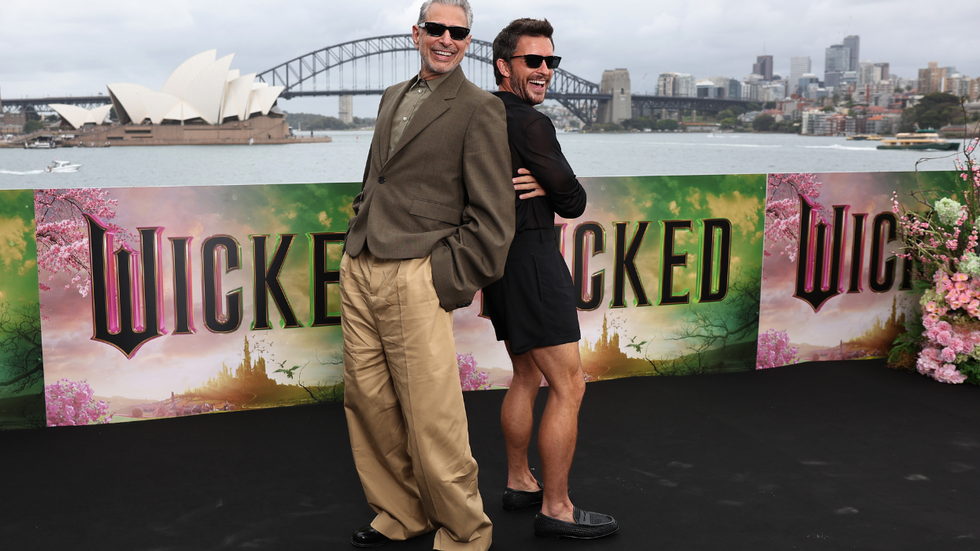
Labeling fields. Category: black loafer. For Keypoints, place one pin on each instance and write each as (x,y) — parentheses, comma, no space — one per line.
(367,536)
(515,500)
(587,526)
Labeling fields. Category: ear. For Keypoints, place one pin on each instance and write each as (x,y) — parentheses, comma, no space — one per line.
(503,67)
(415,35)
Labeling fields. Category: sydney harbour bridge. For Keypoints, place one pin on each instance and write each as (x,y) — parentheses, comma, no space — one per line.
(369,65)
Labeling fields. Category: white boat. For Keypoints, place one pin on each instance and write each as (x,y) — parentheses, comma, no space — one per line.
(62,166)
(39,144)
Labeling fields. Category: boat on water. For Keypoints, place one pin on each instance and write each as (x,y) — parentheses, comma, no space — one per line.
(62,166)
(921,140)
(40,144)
(862,137)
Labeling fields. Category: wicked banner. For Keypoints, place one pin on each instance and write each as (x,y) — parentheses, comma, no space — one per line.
(162,302)
(833,286)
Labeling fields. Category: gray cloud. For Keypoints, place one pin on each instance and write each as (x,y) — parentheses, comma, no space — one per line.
(54,47)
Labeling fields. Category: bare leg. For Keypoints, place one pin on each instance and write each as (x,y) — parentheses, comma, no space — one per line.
(517,419)
(562,367)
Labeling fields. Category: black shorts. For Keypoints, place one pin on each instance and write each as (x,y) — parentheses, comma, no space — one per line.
(533,304)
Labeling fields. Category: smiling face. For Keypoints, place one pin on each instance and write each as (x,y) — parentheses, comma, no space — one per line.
(442,54)
(528,84)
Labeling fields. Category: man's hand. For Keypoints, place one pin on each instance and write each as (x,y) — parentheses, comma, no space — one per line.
(529,183)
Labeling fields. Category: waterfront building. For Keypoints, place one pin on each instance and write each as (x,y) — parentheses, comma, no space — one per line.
(203,89)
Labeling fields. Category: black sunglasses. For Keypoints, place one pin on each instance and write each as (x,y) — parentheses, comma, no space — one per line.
(533,61)
(437,30)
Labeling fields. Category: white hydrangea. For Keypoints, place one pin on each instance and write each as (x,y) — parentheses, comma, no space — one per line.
(948,211)
(970,265)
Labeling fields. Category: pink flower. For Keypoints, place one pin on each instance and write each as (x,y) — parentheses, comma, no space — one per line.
(948,355)
(948,373)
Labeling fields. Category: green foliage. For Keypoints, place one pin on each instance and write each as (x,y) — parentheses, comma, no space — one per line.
(729,123)
(33,126)
(763,123)
(907,345)
(604,127)
(640,123)
(308,121)
(753,107)
(667,124)
(934,110)
(769,105)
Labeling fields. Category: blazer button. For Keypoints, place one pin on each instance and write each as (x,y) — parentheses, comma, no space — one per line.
(381,179)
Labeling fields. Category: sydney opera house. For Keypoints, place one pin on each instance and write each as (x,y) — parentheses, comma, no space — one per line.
(203,101)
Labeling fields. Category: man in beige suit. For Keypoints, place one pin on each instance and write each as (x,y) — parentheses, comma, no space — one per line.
(432,224)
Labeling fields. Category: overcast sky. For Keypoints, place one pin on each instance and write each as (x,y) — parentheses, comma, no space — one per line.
(56,47)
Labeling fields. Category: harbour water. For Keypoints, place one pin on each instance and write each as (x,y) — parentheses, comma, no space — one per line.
(342,160)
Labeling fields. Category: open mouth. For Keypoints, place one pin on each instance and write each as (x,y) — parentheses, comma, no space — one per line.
(443,54)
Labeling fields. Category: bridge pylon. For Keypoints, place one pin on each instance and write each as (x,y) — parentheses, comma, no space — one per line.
(619,107)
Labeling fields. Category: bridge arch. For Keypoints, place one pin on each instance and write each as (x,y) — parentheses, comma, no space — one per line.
(321,72)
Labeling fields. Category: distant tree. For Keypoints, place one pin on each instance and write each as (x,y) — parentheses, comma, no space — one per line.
(828,109)
(33,126)
(935,110)
(639,123)
(769,105)
(752,107)
(729,123)
(667,124)
(763,123)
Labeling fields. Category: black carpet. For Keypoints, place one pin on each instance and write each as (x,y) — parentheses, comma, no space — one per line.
(847,455)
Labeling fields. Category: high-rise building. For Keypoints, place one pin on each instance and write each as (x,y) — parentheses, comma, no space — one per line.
(883,67)
(853,43)
(676,84)
(931,78)
(798,66)
(837,62)
(763,67)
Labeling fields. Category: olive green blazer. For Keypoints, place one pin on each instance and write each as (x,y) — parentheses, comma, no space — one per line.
(445,190)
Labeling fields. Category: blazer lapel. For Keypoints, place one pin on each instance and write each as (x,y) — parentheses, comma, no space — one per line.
(430,110)
(383,124)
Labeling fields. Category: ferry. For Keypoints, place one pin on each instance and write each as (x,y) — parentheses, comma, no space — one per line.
(921,140)
(869,137)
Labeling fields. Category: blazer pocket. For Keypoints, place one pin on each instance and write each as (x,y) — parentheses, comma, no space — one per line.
(436,211)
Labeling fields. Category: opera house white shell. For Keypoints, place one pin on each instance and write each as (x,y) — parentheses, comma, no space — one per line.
(203,89)
(78,117)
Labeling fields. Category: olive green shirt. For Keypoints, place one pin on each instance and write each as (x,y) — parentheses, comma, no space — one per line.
(418,92)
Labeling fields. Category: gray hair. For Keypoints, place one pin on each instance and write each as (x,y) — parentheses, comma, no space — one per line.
(424,10)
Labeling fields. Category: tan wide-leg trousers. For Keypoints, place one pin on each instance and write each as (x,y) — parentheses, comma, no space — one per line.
(404,405)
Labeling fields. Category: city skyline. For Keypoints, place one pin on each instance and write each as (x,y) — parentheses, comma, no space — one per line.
(77,49)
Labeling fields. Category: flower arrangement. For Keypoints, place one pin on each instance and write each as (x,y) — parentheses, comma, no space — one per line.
(471,378)
(943,240)
(774,350)
(71,403)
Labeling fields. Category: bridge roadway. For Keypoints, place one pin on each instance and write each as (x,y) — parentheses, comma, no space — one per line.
(582,97)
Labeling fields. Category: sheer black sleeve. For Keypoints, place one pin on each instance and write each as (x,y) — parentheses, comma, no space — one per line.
(543,157)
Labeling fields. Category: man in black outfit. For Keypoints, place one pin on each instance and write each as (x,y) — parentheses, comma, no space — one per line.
(533,306)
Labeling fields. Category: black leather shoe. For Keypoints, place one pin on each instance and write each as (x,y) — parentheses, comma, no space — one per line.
(367,536)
